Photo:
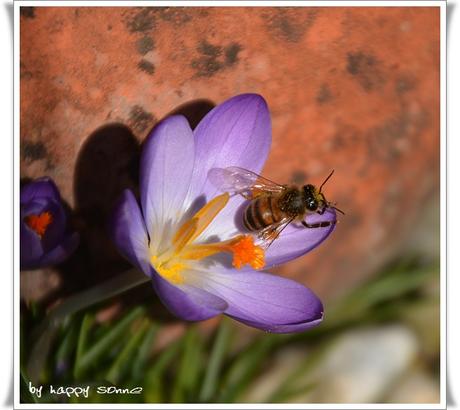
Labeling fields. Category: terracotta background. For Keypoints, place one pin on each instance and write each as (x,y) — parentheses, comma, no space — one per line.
(351,89)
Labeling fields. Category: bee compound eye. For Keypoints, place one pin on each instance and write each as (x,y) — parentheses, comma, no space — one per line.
(312,205)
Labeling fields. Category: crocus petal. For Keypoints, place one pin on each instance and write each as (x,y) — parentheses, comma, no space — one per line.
(40,188)
(34,207)
(55,230)
(266,301)
(235,133)
(129,233)
(297,240)
(66,247)
(31,245)
(31,248)
(224,225)
(190,302)
(166,169)
(291,328)
(42,238)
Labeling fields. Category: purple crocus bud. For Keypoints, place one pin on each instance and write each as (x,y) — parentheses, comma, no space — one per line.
(44,239)
(186,236)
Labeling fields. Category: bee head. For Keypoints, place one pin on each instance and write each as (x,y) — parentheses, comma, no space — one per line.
(311,197)
(315,201)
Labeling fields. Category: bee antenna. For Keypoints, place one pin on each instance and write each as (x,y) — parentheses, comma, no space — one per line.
(339,210)
(321,187)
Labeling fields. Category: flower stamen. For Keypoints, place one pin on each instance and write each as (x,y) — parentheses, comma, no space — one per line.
(245,252)
(242,247)
(172,263)
(192,228)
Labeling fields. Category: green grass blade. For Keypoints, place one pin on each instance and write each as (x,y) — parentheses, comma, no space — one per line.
(24,393)
(81,343)
(219,349)
(288,394)
(66,349)
(244,368)
(187,376)
(143,355)
(100,347)
(290,386)
(387,287)
(154,380)
(120,365)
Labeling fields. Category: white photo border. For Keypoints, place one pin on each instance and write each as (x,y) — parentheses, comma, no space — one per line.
(226,3)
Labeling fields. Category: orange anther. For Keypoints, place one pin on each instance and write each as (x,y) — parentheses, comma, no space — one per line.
(39,223)
(245,252)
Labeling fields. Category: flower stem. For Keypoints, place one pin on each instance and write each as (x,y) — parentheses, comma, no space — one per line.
(120,284)
(44,333)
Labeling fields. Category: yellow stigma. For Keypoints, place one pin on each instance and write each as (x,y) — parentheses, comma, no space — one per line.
(170,271)
(172,263)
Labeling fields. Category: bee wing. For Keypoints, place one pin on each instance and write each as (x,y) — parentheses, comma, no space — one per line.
(236,180)
(270,233)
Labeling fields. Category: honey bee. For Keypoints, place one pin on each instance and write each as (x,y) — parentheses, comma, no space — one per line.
(272,207)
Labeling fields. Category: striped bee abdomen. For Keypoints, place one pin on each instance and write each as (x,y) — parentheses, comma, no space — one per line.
(262,212)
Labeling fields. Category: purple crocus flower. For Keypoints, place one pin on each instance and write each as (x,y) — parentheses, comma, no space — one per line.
(185,232)
(44,240)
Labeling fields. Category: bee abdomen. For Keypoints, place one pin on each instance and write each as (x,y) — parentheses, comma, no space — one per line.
(260,213)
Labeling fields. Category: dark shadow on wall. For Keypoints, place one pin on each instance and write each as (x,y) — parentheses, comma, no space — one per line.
(194,111)
(107,164)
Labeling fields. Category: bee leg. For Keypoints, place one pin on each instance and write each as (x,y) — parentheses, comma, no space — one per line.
(318,224)
(245,194)
(270,233)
